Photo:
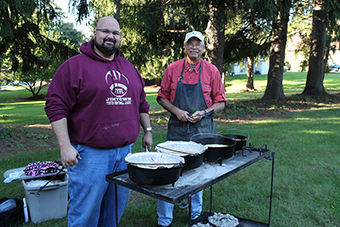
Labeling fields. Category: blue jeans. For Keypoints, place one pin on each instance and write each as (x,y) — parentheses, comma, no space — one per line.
(92,199)
(164,209)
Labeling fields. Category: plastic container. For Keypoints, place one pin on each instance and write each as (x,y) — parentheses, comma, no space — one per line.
(50,202)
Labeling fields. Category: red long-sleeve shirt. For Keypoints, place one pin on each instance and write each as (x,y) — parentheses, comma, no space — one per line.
(213,88)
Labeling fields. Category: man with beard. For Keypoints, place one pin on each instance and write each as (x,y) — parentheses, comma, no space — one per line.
(190,88)
(96,104)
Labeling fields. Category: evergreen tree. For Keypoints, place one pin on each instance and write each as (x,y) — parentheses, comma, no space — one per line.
(25,43)
(326,13)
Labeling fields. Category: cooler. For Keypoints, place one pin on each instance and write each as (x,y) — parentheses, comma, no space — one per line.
(48,203)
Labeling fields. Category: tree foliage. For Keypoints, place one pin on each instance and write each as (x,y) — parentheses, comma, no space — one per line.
(32,55)
(252,39)
(153,32)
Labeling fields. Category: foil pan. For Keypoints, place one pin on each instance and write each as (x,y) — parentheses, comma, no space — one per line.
(182,148)
(154,160)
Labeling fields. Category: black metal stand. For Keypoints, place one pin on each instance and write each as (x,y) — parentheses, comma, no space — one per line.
(195,180)
(247,222)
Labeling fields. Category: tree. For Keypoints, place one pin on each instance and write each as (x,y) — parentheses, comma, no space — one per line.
(325,16)
(67,34)
(256,19)
(215,34)
(151,32)
(315,76)
(149,25)
(252,38)
(274,88)
(300,27)
(30,52)
(5,74)
(39,75)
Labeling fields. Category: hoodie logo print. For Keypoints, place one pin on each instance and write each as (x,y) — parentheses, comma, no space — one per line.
(118,87)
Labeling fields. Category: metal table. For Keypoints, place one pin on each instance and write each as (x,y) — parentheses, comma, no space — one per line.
(195,180)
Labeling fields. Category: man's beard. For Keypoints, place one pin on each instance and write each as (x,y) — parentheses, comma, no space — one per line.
(105,49)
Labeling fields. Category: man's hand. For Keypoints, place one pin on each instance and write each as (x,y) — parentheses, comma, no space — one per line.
(69,156)
(196,117)
(147,140)
(182,115)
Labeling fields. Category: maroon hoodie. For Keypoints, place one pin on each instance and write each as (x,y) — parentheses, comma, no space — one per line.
(101,99)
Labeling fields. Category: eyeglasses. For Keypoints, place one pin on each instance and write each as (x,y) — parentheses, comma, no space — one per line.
(195,45)
(107,31)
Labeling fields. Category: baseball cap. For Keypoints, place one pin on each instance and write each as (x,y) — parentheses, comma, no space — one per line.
(193,34)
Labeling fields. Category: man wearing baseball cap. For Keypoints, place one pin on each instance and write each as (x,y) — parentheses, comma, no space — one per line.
(190,88)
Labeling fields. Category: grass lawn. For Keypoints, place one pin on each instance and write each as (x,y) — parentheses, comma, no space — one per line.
(305,141)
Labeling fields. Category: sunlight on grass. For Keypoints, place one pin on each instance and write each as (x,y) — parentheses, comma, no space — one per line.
(293,83)
(316,131)
(13,88)
(23,112)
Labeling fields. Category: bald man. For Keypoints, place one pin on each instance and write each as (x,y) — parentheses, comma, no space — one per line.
(96,104)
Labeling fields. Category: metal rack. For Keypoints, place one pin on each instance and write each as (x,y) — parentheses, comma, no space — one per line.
(195,180)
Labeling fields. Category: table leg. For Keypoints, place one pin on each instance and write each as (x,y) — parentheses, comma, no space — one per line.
(116,198)
(211,195)
(189,202)
(271,189)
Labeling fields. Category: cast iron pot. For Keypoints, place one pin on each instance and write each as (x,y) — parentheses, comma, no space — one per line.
(192,152)
(241,140)
(153,168)
(219,147)
(193,161)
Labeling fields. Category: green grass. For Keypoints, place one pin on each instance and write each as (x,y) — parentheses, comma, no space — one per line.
(293,83)
(151,97)
(10,93)
(307,163)
(31,112)
(306,178)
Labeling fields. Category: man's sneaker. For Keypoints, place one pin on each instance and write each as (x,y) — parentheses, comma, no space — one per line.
(203,217)
(193,218)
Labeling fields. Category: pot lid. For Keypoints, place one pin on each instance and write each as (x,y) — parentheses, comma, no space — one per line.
(181,148)
(153,160)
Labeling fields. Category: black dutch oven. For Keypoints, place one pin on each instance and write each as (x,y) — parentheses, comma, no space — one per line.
(150,168)
(240,139)
(192,152)
(219,147)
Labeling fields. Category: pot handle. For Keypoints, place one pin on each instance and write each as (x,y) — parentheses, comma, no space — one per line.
(221,132)
(196,136)
(183,205)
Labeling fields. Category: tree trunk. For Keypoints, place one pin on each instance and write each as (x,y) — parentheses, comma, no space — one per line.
(274,89)
(250,60)
(327,49)
(250,75)
(117,10)
(215,35)
(316,73)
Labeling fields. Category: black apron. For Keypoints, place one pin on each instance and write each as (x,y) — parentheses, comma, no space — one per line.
(189,97)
